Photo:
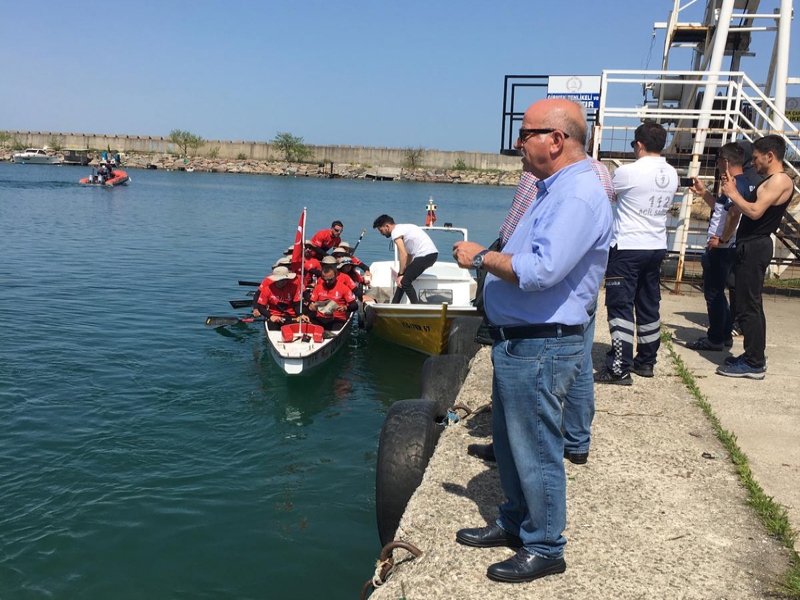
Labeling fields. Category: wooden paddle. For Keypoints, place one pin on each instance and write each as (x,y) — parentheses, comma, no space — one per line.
(225,321)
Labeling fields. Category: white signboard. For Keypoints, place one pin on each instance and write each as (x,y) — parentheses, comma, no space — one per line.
(580,88)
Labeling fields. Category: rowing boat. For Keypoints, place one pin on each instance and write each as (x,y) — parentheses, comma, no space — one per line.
(297,349)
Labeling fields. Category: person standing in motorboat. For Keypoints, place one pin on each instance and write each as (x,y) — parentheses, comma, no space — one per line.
(416,252)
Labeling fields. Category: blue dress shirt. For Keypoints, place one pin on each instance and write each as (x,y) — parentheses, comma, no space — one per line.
(560,251)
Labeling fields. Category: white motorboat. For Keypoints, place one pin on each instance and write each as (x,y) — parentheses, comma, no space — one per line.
(297,350)
(36,156)
(445,291)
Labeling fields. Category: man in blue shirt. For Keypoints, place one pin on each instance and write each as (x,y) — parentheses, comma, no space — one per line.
(537,293)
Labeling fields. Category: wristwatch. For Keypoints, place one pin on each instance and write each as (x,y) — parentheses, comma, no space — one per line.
(477,262)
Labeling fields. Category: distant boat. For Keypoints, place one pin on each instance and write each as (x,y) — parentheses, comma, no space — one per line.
(36,156)
(76,156)
(117,178)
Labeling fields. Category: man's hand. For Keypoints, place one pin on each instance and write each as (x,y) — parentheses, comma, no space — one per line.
(728,184)
(698,188)
(339,308)
(256,312)
(714,242)
(464,252)
(275,319)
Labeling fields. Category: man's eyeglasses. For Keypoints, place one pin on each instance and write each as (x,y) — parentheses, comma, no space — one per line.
(337,231)
(524,134)
(633,144)
(326,280)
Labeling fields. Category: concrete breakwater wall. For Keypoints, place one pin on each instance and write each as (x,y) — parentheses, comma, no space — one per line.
(170,162)
(263,151)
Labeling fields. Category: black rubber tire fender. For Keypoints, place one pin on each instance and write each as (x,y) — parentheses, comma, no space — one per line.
(441,379)
(369,317)
(362,318)
(408,439)
(462,336)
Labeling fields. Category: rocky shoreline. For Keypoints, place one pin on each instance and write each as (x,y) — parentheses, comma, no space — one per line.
(171,162)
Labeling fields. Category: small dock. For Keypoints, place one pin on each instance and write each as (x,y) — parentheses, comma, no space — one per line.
(659,510)
(383,173)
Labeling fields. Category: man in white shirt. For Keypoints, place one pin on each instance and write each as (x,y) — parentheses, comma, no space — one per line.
(645,190)
(416,252)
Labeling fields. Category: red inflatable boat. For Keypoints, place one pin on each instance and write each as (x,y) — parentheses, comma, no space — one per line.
(117,178)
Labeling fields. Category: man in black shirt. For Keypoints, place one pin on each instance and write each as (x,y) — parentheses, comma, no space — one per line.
(760,219)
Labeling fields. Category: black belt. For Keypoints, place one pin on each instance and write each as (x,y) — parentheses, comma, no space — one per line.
(543,330)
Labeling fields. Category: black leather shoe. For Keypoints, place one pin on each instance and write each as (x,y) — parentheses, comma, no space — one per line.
(609,377)
(576,458)
(488,537)
(643,370)
(482,451)
(524,566)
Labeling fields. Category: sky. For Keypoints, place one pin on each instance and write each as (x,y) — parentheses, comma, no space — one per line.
(408,74)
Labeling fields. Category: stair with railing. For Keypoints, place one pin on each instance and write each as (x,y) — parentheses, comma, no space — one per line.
(740,110)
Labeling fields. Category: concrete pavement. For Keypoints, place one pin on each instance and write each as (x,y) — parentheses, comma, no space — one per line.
(658,511)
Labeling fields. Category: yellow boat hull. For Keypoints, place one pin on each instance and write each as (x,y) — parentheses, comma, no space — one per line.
(424,328)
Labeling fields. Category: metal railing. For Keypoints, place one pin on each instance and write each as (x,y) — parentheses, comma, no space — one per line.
(740,110)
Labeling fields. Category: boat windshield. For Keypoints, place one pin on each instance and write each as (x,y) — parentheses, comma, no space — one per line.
(444,238)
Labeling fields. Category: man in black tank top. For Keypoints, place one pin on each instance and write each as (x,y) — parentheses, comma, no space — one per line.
(760,219)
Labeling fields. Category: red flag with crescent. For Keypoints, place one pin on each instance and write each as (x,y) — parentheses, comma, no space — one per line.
(430,219)
(297,251)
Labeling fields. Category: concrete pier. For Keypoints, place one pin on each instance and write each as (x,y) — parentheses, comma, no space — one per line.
(658,511)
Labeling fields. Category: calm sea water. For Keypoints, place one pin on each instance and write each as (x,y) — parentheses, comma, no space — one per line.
(144,455)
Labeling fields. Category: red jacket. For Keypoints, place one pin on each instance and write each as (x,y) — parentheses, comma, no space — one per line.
(340,293)
(347,280)
(309,265)
(279,301)
(325,240)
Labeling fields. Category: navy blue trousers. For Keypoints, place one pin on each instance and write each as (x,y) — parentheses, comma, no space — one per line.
(717,265)
(632,284)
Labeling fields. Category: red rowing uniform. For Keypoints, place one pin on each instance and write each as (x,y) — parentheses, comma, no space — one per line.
(270,295)
(325,240)
(340,293)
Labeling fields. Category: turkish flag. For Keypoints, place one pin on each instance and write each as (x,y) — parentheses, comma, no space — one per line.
(297,251)
(431,219)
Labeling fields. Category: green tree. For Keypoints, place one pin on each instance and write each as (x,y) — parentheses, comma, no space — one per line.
(55,143)
(292,147)
(413,158)
(5,137)
(185,140)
